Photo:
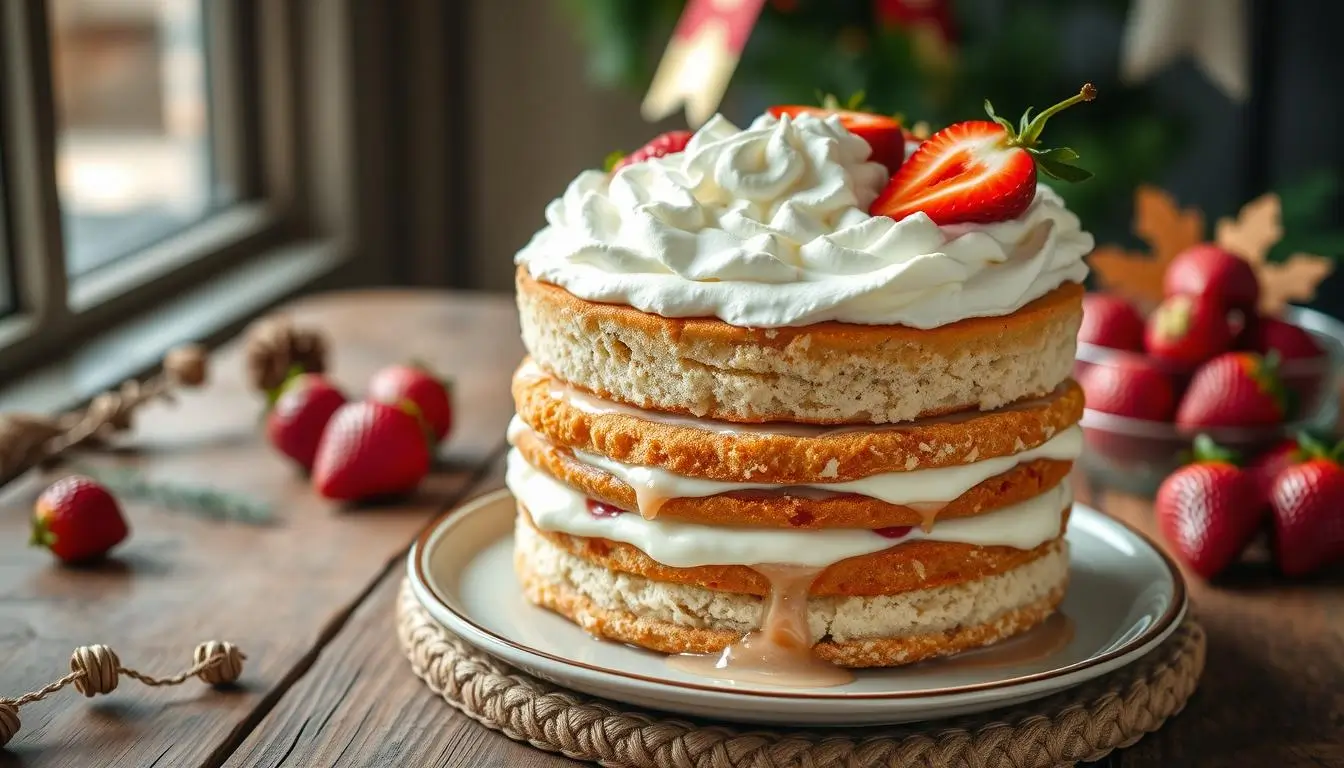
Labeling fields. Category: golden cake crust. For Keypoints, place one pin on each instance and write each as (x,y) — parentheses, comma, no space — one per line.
(824,373)
(669,637)
(905,567)
(791,459)
(826,337)
(778,510)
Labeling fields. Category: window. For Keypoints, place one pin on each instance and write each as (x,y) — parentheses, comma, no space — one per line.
(6,266)
(169,168)
(133,152)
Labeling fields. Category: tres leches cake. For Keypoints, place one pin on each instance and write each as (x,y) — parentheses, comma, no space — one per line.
(787,410)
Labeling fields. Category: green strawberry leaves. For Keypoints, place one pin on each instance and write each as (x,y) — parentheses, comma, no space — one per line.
(41,535)
(1206,449)
(1007,126)
(855,102)
(1056,163)
(1314,447)
(1264,371)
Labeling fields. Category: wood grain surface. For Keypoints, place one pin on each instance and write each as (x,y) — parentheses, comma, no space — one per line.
(311,598)
(280,592)
(360,706)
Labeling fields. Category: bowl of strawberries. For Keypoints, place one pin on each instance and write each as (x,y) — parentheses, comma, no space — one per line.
(1205,360)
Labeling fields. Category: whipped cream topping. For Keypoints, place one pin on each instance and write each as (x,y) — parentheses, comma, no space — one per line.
(768,227)
(555,506)
(654,485)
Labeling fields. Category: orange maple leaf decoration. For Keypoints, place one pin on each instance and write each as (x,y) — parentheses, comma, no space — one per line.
(1256,229)
(1164,226)
(1169,229)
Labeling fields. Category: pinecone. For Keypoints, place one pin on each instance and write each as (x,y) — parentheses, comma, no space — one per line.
(187,365)
(275,348)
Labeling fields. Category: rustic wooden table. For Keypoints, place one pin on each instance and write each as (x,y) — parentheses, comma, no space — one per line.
(310,600)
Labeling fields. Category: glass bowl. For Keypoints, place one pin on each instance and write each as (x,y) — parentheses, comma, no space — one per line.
(1135,455)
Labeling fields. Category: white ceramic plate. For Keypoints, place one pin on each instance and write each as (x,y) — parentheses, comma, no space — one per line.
(1124,598)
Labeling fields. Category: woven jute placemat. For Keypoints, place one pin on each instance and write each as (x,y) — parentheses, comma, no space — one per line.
(1084,723)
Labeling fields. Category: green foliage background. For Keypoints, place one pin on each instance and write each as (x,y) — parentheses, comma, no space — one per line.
(1015,57)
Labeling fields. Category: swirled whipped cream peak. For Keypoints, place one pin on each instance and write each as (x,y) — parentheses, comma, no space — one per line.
(768,226)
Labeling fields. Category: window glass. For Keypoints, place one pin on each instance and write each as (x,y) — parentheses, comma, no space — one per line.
(133,144)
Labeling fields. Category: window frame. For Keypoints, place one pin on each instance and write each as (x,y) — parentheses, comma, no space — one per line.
(282,122)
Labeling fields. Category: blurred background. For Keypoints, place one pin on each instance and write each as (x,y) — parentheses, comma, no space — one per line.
(421,140)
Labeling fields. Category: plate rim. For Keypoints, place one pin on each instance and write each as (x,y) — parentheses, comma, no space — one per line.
(1137,646)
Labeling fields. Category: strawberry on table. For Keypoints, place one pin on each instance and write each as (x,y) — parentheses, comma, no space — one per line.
(1130,387)
(1207,270)
(979,171)
(1111,322)
(1308,510)
(295,422)
(663,144)
(78,520)
(431,395)
(1188,330)
(1209,510)
(371,449)
(883,133)
(1235,389)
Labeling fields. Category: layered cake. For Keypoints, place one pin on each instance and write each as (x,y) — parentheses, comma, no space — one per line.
(771,420)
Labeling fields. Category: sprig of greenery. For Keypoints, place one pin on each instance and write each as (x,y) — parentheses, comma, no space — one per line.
(204,501)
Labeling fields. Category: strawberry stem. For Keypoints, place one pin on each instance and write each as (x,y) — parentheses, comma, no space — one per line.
(274,394)
(1032,133)
(1205,449)
(1264,370)
(41,535)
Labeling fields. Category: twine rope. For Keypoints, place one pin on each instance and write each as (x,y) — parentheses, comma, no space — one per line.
(28,440)
(1085,723)
(274,348)
(96,669)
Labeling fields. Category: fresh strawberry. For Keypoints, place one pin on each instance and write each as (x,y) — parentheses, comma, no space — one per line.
(301,411)
(1308,508)
(1269,463)
(979,171)
(370,449)
(668,143)
(1269,334)
(1187,330)
(77,519)
(1209,510)
(1112,322)
(1207,270)
(884,134)
(430,394)
(1130,387)
(1236,389)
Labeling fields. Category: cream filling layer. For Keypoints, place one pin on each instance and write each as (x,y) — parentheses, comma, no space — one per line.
(937,486)
(555,506)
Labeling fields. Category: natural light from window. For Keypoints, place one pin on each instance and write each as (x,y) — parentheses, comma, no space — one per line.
(133,151)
